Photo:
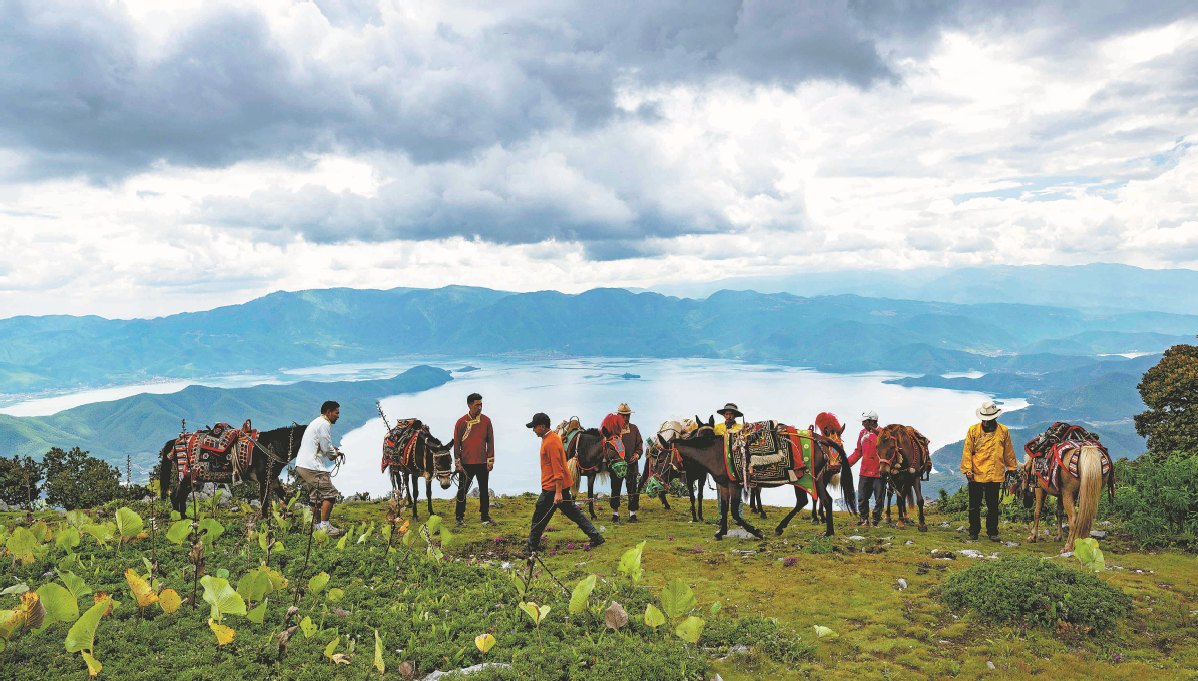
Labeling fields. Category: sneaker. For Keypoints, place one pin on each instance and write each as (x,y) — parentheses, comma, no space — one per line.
(460,522)
(994,537)
(597,541)
(615,517)
(488,521)
(632,519)
(334,532)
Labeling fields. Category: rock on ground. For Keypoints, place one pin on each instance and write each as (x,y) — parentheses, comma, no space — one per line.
(466,670)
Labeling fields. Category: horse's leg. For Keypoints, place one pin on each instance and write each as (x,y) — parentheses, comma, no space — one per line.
(428,494)
(923,526)
(738,516)
(591,494)
(1035,535)
(1069,498)
(414,494)
(702,483)
(725,495)
(1060,514)
(825,499)
(800,502)
(179,496)
(664,502)
(890,490)
(760,507)
(617,483)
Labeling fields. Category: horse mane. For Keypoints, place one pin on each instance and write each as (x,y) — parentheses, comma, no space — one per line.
(592,431)
(827,422)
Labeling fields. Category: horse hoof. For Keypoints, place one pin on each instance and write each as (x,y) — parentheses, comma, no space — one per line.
(923,528)
(778,531)
(759,534)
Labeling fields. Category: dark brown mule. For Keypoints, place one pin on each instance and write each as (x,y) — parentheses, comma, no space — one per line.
(706,448)
(903,458)
(432,459)
(662,466)
(272,452)
(589,455)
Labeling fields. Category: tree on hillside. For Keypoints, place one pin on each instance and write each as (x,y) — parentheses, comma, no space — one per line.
(1170,389)
(75,479)
(20,481)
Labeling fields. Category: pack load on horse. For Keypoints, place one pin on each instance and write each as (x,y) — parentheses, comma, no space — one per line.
(223,454)
(905,460)
(765,454)
(411,452)
(1070,463)
(665,468)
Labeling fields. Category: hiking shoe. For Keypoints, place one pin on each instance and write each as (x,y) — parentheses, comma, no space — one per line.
(597,541)
(334,532)
(632,519)
(615,517)
(994,537)
(460,522)
(488,521)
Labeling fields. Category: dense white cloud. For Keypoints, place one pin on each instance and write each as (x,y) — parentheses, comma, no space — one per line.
(156,158)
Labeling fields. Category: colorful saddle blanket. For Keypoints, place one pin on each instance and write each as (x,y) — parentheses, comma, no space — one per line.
(399,445)
(1059,448)
(769,454)
(216,453)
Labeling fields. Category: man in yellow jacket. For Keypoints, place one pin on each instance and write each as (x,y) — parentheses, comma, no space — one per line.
(985,460)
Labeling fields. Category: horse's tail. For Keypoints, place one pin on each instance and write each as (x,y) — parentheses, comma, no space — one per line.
(848,492)
(1090,472)
(572,467)
(164,469)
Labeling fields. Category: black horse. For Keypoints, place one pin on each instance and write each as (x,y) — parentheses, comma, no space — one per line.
(660,466)
(274,450)
(592,456)
(431,459)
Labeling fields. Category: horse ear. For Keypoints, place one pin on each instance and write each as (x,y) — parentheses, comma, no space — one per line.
(698,420)
(711,421)
(842,427)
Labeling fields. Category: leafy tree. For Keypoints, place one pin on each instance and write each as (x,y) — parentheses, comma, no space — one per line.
(1170,389)
(76,479)
(20,480)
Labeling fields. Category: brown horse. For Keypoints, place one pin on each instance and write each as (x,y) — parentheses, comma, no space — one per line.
(831,428)
(1078,497)
(589,455)
(706,448)
(661,466)
(431,459)
(904,457)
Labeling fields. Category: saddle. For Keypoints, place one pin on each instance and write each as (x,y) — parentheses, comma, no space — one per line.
(567,430)
(1059,448)
(213,454)
(399,445)
(769,454)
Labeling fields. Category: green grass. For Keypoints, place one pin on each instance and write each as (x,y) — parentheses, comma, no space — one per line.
(882,632)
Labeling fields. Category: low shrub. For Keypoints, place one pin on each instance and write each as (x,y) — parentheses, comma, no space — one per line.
(1156,500)
(1034,591)
(764,634)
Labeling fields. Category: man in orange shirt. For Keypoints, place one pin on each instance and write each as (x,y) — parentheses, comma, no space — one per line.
(474,456)
(555,487)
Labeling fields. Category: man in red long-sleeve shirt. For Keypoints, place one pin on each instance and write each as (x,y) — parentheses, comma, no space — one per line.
(474,455)
(870,480)
(555,487)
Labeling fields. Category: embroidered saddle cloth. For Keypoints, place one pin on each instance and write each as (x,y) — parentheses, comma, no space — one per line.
(1059,448)
(769,454)
(215,453)
(399,445)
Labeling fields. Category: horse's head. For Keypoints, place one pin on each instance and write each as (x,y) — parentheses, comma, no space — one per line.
(440,457)
(890,448)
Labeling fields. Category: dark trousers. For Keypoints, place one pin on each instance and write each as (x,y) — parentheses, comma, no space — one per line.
(867,487)
(634,499)
(473,471)
(544,511)
(976,491)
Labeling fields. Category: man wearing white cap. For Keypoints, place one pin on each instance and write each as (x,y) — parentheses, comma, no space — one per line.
(985,460)
(870,482)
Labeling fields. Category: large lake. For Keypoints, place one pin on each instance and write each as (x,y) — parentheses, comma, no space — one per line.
(513,390)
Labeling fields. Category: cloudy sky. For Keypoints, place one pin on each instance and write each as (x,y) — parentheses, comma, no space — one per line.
(157,157)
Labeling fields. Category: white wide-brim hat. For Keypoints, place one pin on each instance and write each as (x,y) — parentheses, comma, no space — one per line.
(988,411)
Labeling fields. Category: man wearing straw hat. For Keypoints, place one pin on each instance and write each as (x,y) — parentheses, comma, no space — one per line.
(985,460)
(730,424)
(633,447)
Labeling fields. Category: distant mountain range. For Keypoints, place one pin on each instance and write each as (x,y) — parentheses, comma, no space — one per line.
(140,424)
(834,333)
(1097,286)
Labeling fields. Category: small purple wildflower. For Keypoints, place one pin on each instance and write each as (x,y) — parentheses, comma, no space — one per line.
(570,546)
(789,561)
(1117,658)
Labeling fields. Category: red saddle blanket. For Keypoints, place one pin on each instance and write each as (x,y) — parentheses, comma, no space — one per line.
(215,453)
(399,445)
(1059,448)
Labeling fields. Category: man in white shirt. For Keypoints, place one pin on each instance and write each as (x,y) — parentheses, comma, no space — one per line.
(315,460)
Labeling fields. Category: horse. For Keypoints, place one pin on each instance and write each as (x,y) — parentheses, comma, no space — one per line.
(589,454)
(830,427)
(277,447)
(903,457)
(1078,497)
(693,475)
(706,448)
(431,459)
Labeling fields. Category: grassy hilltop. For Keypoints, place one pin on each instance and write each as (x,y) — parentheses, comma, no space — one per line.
(771,594)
